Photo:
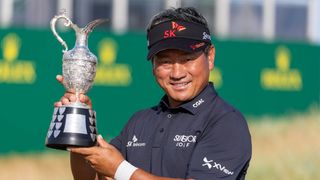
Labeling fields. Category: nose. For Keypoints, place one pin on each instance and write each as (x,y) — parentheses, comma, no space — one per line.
(177,71)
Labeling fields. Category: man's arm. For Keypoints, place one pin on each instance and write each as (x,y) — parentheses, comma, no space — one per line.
(80,169)
(223,151)
(104,159)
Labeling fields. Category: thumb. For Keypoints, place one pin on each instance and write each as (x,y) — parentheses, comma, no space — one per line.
(59,78)
(101,141)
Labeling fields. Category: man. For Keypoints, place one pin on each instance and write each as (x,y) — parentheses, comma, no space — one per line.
(191,134)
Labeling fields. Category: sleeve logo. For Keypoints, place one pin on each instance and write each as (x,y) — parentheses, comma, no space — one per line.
(216,166)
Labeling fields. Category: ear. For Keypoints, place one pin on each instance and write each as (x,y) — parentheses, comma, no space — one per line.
(211,56)
(152,64)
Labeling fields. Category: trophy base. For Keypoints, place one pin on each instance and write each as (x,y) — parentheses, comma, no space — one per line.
(72,125)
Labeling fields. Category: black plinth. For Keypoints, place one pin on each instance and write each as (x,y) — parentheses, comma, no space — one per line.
(72,126)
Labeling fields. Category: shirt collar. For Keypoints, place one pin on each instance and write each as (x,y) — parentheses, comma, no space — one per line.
(196,104)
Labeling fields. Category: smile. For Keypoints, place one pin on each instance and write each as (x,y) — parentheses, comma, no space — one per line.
(180,86)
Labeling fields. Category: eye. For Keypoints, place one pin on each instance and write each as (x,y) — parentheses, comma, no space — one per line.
(189,58)
(164,61)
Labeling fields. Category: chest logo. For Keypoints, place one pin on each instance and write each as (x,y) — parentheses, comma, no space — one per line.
(184,140)
(135,142)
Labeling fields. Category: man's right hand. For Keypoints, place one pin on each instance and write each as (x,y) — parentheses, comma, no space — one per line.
(69,97)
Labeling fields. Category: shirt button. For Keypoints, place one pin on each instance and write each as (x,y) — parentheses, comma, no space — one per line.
(169,116)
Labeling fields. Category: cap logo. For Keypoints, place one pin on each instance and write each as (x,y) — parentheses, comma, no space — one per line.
(177,26)
(174,27)
(206,36)
(196,46)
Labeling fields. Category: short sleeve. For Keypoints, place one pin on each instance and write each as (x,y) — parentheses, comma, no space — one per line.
(117,141)
(223,151)
(120,141)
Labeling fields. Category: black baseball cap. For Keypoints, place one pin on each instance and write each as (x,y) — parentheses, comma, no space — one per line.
(182,35)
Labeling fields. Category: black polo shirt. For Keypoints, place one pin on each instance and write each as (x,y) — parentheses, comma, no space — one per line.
(204,139)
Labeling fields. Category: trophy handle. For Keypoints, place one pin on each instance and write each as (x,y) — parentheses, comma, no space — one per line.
(68,23)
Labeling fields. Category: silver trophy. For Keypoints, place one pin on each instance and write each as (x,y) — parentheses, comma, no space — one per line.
(75,124)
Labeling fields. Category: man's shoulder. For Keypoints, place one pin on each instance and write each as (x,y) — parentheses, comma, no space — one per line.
(222,107)
(143,114)
(224,112)
(145,111)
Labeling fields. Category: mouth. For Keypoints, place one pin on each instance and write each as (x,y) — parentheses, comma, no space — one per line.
(180,85)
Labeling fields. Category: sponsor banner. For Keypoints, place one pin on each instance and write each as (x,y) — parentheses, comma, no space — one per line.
(268,78)
(257,78)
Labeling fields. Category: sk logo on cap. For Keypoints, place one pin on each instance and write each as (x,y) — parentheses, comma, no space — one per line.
(175,27)
(196,46)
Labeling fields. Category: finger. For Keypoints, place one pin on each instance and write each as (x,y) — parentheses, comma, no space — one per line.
(82,151)
(64,101)
(85,99)
(70,96)
(101,141)
(59,78)
(57,104)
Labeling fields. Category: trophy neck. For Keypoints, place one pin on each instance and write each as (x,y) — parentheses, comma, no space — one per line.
(81,39)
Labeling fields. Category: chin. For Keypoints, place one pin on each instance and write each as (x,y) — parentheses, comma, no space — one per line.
(181,98)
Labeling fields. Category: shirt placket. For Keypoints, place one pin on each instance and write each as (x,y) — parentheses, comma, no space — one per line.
(159,140)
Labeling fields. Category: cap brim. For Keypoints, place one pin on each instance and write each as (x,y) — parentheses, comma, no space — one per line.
(188,45)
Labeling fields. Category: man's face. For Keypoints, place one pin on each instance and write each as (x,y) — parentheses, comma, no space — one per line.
(182,75)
